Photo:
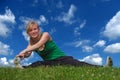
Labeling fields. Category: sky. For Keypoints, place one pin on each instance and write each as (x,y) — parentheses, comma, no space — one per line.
(88,30)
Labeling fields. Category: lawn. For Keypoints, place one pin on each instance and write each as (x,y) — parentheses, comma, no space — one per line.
(60,73)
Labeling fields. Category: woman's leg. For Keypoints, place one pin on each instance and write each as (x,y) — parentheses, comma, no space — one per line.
(68,60)
(65,60)
(35,64)
(42,63)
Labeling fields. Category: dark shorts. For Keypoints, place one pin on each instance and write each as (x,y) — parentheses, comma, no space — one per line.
(65,61)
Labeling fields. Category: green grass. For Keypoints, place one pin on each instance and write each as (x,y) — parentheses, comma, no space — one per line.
(60,73)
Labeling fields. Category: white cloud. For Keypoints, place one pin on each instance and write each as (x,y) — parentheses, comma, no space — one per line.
(87,49)
(77,29)
(83,24)
(112,29)
(5,63)
(100,43)
(93,59)
(8,17)
(5,49)
(4,30)
(27,38)
(11,62)
(42,20)
(68,17)
(53,30)
(78,43)
(113,48)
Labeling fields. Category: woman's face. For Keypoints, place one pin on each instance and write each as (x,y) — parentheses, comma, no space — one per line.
(33,31)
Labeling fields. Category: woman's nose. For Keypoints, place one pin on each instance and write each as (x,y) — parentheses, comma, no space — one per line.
(33,31)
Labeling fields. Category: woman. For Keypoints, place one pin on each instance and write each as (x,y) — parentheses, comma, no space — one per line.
(44,46)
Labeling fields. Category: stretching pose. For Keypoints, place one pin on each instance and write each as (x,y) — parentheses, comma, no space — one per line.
(44,46)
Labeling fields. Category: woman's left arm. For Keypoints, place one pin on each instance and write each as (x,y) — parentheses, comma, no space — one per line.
(45,37)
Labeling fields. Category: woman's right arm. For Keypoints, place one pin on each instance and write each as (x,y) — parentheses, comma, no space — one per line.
(26,54)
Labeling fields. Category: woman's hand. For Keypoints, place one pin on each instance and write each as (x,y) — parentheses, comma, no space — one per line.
(22,54)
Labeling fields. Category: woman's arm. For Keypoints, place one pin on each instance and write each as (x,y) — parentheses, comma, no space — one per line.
(45,37)
(24,54)
(27,54)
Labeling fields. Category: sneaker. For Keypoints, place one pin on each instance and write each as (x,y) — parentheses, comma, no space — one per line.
(17,61)
(109,62)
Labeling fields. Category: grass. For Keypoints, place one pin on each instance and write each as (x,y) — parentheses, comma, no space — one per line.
(60,73)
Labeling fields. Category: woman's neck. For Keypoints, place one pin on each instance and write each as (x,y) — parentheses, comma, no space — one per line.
(35,40)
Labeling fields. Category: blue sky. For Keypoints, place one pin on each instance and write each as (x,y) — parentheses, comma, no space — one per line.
(88,30)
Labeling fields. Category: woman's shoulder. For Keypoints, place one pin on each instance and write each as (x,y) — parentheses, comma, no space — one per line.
(47,34)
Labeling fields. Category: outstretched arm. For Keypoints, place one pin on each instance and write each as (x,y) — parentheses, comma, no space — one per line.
(24,54)
(45,37)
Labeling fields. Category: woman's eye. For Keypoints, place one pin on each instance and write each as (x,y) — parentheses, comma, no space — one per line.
(35,28)
(30,30)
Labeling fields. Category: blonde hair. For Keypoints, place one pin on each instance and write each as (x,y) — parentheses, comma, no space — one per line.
(31,24)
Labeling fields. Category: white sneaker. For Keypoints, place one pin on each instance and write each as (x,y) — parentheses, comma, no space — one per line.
(109,62)
(17,61)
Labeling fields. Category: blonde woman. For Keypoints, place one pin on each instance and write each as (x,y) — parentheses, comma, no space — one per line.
(44,46)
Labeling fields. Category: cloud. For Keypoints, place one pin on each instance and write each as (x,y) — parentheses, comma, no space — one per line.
(68,17)
(53,30)
(41,21)
(112,29)
(93,59)
(79,43)
(4,30)
(5,63)
(113,48)
(77,29)
(87,49)
(7,18)
(5,49)
(82,24)
(100,43)
(84,44)
(27,38)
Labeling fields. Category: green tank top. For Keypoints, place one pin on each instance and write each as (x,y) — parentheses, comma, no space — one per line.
(51,51)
